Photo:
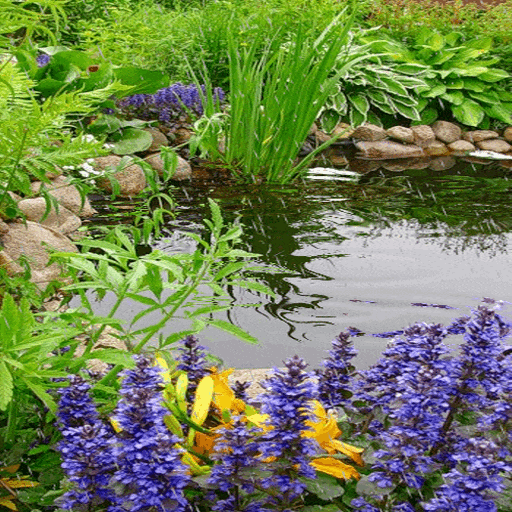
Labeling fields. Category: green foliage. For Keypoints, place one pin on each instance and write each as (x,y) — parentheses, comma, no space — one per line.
(175,285)
(277,97)
(460,82)
(373,89)
(26,21)
(152,36)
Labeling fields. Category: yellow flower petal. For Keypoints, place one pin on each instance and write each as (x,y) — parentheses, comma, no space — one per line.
(350,451)
(162,363)
(18,483)
(335,468)
(202,401)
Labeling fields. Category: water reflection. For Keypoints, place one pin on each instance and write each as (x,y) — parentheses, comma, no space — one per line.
(361,254)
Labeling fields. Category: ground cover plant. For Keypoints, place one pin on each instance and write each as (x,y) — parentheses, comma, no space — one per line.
(425,429)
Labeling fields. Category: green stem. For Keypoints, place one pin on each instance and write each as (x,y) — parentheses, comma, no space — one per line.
(108,379)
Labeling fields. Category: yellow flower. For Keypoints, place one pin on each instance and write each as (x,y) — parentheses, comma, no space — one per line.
(335,468)
(326,430)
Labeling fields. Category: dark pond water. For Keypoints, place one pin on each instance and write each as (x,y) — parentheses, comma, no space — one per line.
(377,253)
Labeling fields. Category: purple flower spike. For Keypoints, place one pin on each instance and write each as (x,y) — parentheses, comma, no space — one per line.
(287,404)
(193,361)
(86,455)
(149,464)
(334,380)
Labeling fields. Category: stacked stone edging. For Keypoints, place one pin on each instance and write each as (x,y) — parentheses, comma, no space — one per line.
(442,138)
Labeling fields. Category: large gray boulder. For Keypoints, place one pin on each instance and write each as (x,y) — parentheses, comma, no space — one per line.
(446,132)
(183,169)
(423,135)
(67,195)
(35,243)
(369,132)
(479,135)
(131,178)
(387,150)
(496,145)
(62,220)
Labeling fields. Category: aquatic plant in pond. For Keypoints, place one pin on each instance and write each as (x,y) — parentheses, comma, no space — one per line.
(169,103)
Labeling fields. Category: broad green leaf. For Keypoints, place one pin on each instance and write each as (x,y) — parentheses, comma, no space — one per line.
(472,71)
(232,329)
(428,115)
(469,113)
(104,124)
(500,111)
(329,119)
(442,58)
(436,42)
(360,102)
(474,84)
(356,118)
(455,83)
(131,140)
(324,486)
(493,75)
(484,44)
(381,101)
(490,97)
(454,97)
(410,69)
(406,111)
(144,81)
(393,86)
(6,386)
(435,91)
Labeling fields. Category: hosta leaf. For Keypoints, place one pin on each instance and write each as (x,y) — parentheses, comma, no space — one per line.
(435,91)
(442,57)
(360,102)
(410,69)
(329,119)
(436,42)
(500,111)
(455,97)
(469,112)
(406,111)
(493,75)
(455,83)
(381,101)
(484,44)
(428,115)
(408,101)
(471,71)
(356,118)
(490,97)
(393,86)
(474,84)
(131,140)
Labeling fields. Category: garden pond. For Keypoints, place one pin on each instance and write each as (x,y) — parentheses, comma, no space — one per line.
(375,251)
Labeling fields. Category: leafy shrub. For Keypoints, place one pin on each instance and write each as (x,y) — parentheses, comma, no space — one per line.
(460,82)
(372,89)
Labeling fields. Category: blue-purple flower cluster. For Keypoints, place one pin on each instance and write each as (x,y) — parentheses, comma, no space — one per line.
(142,457)
(419,400)
(287,402)
(437,419)
(42,60)
(169,104)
